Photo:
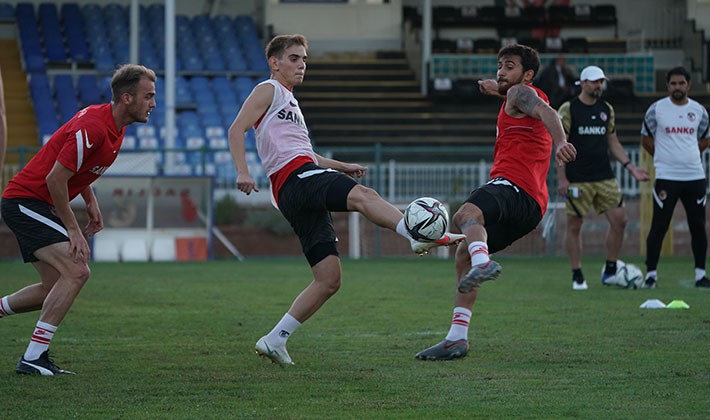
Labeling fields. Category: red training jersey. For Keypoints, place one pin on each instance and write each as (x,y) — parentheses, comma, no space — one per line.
(522,152)
(87,144)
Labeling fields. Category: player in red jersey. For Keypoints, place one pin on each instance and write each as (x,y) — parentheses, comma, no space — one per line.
(512,203)
(35,206)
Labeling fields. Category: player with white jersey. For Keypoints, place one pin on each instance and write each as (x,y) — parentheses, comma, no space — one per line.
(675,132)
(305,186)
(35,206)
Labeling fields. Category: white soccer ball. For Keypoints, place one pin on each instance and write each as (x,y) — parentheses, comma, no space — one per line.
(426,219)
(628,276)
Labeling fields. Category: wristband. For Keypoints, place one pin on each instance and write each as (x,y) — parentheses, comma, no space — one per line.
(626,164)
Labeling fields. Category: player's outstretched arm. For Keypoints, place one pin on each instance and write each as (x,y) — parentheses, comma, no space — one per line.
(489,87)
(523,99)
(353,169)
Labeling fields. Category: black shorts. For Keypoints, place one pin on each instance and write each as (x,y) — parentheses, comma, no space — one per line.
(509,212)
(34,223)
(306,199)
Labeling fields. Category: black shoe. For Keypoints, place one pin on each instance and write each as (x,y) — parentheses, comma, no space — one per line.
(704,282)
(649,283)
(42,365)
(446,350)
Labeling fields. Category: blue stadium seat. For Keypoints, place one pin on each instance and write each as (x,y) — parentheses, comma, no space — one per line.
(183,93)
(75,32)
(52,32)
(215,64)
(148,143)
(34,64)
(129,142)
(250,140)
(217,143)
(66,97)
(45,114)
(7,12)
(220,84)
(30,38)
(104,84)
(89,93)
(39,86)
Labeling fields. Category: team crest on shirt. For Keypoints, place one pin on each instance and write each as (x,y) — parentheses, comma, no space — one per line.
(603,116)
(691,116)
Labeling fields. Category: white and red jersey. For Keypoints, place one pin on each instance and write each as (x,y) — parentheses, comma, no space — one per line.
(281,134)
(676,130)
(87,145)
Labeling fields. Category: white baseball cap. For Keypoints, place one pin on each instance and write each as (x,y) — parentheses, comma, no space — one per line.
(591,73)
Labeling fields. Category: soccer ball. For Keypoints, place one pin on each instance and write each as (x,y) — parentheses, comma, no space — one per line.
(628,276)
(426,219)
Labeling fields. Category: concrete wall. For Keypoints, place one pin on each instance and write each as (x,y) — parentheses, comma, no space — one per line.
(360,25)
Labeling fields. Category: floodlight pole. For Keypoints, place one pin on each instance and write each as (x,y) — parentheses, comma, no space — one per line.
(426,45)
(135,25)
(169,82)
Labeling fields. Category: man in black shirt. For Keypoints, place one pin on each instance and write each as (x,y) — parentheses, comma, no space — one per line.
(589,181)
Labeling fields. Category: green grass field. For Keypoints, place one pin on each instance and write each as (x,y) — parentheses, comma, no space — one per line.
(174,341)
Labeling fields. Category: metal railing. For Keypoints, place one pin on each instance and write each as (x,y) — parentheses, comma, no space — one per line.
(399,174)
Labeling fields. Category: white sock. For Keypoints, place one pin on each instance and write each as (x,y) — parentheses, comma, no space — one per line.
(40,340)
(283,330)
(479,253)
(652,273)
(402,230)
(699,273)
(5,308)
(459,324)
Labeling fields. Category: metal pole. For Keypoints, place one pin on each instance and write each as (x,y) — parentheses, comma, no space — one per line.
(169,82)
(426,45)
(135,24)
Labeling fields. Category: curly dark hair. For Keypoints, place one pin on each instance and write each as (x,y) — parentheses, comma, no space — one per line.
(529,57)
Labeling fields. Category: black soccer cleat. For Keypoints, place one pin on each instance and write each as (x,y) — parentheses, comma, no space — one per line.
(445,350)
(43,366)
(704,282)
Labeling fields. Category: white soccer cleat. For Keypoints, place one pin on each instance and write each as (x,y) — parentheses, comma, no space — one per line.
(277,354)
(422,248)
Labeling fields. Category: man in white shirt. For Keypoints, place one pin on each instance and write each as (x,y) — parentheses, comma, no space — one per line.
(675,132)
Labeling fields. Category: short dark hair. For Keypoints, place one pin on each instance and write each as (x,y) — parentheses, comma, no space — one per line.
(280,43)
(529,57)
(126,79)
(678,71)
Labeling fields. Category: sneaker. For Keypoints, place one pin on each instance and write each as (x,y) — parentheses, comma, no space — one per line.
(422,248)
(704,282)
(478,274)
(277,354)
(43,366)
(446,350)
(579,285)
(649,283)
